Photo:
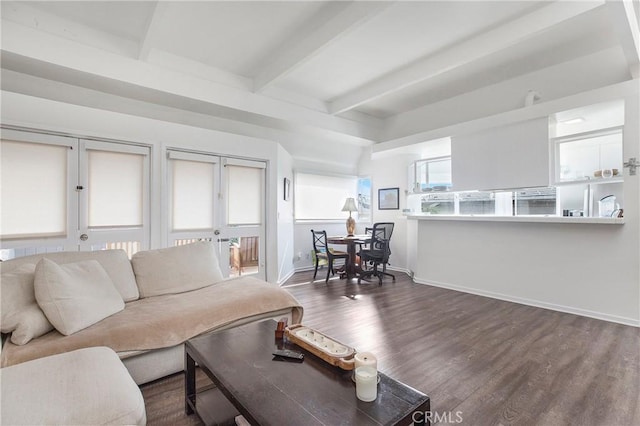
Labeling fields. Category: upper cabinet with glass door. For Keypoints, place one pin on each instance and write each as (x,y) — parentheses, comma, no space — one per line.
(587,149)
(587,144)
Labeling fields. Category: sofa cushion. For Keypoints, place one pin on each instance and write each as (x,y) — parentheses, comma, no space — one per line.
(115,262)
(76,295)
(168,320)
(85,387)
(176,269)
(21,316)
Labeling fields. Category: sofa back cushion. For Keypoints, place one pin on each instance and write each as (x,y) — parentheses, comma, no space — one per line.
(115,263)
(74,296)
(176,269)
(20,315)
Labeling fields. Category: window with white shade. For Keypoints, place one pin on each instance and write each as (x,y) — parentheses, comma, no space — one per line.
(34,181)
(116,190)
(192,191)
(321,197)
(65,193)
(114,196)
(245,189)
(511,156)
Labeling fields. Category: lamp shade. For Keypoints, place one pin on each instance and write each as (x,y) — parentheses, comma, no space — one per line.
(349,205)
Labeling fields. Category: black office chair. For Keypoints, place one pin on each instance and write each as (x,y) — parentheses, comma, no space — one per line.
(322,251)
(364,246)
(378,252)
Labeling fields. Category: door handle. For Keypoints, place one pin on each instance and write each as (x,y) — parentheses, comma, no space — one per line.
(84,237)
(223,240)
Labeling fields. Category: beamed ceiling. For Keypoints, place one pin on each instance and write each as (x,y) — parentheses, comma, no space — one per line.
(349,72)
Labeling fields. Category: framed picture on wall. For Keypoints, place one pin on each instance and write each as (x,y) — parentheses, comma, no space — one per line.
(287,189)
(389,199)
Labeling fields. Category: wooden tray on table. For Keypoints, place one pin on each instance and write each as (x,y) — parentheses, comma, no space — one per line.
(321,345)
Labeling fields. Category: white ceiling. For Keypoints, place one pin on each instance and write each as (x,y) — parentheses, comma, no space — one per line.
(339,67)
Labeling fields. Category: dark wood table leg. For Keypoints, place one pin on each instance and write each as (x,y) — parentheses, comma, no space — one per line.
(351,262)
(189,384)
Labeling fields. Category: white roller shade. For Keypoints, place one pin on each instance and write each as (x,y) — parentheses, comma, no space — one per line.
(33,184)
(116,188)
(319,197)
(244,195)
(192,192)
(514,156)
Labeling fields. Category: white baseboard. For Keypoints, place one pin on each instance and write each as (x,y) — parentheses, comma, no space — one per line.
(532,302)
(403,270)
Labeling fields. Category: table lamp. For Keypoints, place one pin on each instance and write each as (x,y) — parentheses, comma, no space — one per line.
(350,206)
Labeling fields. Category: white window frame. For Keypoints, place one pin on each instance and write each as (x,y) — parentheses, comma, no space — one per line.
(100,234)
(175,154)
(77,206)
(69,240)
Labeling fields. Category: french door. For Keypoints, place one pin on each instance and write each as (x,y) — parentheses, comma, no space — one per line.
(219,199)
(113,196)
(64,193)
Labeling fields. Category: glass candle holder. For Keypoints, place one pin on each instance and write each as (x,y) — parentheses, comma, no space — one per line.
(366,383)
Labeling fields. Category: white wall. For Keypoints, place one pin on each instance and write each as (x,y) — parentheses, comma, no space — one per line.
(507,95)
(581,268)
(304,245)
(37,113)
(587,269)
(391,172)
(285,217)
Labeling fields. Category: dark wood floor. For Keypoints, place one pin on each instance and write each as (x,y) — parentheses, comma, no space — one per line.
(487,361)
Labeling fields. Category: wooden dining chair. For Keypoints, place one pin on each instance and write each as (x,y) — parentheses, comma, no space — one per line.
(322,251)
(378,253)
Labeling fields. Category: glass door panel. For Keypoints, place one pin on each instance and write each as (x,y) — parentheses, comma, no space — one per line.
(222,200)
(193,182)
(114,196)
(241,234)
(38,174)
(244,256)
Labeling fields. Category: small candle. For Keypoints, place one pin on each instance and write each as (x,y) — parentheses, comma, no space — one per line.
(366,359)
(366,383)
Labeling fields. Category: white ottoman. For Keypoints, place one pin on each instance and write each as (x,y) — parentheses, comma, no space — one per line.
(84,387)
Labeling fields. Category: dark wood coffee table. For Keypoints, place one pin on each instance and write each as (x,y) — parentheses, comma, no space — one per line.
(248,381)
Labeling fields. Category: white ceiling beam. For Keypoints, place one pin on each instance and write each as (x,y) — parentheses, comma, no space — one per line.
(26,14)
(333,22)
(472,49)
(626,24)
(151,29)
(40,54)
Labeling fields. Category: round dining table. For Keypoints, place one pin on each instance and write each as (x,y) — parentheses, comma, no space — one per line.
(351,268)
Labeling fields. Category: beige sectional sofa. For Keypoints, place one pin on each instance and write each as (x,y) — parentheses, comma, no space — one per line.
(143,309)
(89,386)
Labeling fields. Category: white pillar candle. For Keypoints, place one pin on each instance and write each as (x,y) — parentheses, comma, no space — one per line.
(366,359)
(366,383)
